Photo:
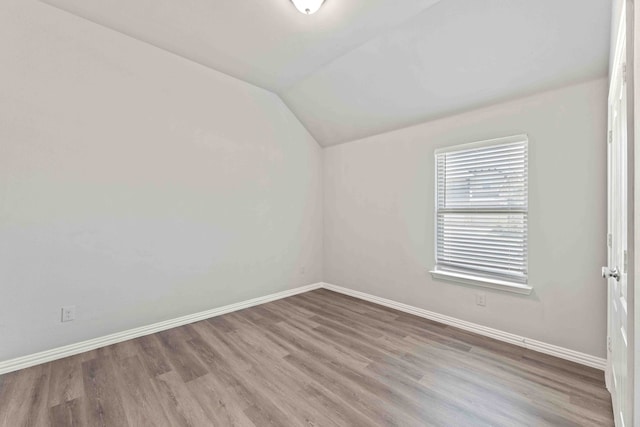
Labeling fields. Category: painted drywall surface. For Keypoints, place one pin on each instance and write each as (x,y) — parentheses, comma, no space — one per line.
(379,216)
(456,56)
(139,186)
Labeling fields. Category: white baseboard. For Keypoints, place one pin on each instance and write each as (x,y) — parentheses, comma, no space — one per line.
(81,347)
(539,346)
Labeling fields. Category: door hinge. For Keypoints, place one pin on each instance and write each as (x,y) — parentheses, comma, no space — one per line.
(609,239)
(626,262)
(609,343)
(610,139)
(624,72)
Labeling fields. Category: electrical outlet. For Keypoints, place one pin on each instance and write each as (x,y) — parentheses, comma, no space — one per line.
(481,299)
(68,313)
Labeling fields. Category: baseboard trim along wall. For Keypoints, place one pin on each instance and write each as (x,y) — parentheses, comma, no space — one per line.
(92,344)
(73,349)
(539,346)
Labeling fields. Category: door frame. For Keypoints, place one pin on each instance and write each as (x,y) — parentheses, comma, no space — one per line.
(633,126)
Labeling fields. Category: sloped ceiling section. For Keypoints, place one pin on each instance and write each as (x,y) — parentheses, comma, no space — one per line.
(458,55)
(361,67)
(264,42)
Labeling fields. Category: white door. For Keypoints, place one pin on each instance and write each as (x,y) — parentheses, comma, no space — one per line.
(619,356)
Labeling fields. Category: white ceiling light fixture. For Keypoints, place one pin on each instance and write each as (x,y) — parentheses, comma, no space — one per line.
(307,7)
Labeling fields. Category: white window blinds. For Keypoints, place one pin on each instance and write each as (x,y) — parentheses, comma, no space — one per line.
(481,209)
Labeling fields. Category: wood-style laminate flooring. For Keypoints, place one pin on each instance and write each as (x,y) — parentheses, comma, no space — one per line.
(315,359)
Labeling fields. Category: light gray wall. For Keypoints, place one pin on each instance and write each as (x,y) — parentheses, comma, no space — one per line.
(139,186)
(379,216)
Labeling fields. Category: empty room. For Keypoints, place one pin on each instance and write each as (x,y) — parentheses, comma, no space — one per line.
(319,213)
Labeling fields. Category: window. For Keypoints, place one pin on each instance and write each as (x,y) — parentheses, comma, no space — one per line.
(481,213)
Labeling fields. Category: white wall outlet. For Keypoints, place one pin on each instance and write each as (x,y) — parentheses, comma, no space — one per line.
(68,313)
(481,299)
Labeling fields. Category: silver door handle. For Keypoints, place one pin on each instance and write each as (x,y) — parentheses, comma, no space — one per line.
(609,273)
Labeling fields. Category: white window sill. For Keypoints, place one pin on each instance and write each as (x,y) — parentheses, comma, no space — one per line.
(466,279)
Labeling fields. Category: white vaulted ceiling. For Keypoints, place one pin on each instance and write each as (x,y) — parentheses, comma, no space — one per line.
(361,67)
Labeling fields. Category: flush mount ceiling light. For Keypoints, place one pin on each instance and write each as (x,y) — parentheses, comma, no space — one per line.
(307,7)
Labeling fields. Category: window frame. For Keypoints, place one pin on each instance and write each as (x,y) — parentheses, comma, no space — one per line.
(468,278)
